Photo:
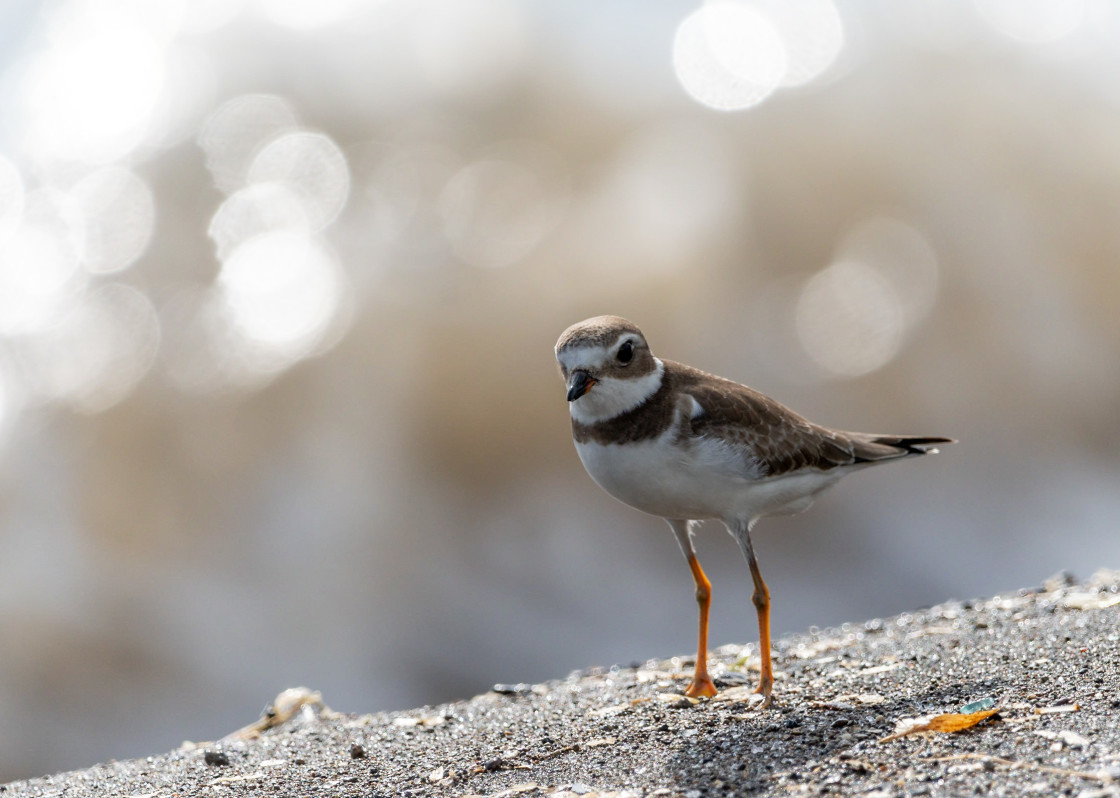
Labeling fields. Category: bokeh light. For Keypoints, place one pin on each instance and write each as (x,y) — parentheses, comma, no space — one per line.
(255,210)
(812,35)
(40,262)
(313,167)
(665,193)
(162,21)
(118,213)
(234,133)
(282,290)
(902,256)
(96,353)
(302,15)
(11,196)
(849,319)
(207,16)
(89,96)
(189,95)
(498,208)
(1033,21)
(728,56)
(853,317)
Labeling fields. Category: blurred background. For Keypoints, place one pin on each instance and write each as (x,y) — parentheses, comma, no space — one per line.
(280,281)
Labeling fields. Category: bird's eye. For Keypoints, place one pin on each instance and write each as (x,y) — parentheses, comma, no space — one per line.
(625,353)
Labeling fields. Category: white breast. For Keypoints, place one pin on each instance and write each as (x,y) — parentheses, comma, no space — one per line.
(698,479)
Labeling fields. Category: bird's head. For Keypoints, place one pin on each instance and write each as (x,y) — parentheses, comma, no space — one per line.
(607,366)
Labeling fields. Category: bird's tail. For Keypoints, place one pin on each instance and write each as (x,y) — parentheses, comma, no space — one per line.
(869,448)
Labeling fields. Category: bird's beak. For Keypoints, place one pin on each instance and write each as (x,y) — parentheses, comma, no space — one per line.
(579,384)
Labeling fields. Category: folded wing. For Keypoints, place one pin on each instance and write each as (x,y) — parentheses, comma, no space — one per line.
(772,440)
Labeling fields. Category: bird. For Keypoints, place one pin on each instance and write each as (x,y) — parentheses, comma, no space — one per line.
(688,446)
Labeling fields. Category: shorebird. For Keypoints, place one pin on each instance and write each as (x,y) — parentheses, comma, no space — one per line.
(676,442)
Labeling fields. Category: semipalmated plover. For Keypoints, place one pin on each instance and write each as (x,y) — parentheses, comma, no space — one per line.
(684,445)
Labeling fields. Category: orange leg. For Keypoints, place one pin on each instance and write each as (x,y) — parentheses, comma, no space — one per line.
(761,600)
(702,684)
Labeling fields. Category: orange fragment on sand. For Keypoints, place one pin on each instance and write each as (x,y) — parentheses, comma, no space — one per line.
(948,723)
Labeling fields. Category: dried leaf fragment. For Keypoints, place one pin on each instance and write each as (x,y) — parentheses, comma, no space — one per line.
(1057,709)
(282,709)
(947,723)
(235,779)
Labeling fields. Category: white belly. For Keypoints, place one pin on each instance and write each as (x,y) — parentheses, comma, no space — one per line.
(669,481)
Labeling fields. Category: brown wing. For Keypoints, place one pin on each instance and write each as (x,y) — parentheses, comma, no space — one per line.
(777,439)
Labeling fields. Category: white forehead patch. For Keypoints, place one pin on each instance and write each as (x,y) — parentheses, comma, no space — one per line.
(574,357)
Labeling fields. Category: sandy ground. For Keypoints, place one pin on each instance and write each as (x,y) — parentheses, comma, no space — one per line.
(1048,659)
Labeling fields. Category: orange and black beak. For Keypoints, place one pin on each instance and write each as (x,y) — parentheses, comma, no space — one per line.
(579,384)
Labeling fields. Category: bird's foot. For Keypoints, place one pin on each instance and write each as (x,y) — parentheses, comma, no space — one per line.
(765,690)
(701,686)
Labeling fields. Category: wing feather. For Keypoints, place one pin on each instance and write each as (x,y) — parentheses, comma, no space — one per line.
(770,439)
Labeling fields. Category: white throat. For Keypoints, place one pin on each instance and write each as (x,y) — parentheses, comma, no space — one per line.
(611,397)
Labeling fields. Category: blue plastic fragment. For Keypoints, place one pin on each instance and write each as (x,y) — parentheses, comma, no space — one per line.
(978,706)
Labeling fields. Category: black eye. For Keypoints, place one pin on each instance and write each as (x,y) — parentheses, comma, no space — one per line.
(625,353)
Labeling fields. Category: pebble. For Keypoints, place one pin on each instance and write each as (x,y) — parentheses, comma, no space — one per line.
(512,689)
(215,758)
